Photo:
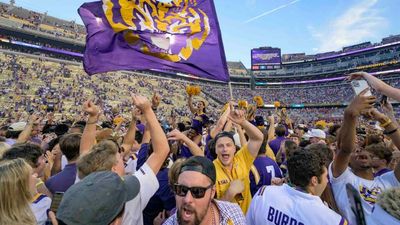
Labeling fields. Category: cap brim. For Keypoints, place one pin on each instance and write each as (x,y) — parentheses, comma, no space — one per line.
(132,186)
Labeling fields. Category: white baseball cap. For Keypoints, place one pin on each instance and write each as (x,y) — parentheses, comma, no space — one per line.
(318,133)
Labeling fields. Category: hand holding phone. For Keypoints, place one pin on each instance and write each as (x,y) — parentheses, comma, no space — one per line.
(359,86)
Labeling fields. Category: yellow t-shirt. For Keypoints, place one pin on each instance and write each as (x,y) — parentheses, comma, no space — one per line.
(242,163)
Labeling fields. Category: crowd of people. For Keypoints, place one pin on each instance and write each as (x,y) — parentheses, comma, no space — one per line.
(31,20)
(175,158)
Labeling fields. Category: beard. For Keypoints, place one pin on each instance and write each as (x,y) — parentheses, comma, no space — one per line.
(198,216)
(197,219)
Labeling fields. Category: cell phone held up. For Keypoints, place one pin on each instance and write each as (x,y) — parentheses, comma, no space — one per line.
(359,86)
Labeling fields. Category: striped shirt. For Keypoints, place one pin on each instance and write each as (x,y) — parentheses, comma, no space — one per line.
(229,214)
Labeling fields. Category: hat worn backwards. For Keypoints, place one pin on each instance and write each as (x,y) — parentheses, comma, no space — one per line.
(200,164)
(97,199)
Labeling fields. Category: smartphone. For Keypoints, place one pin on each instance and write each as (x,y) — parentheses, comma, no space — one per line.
(57,197)
(355,204)
(361,85)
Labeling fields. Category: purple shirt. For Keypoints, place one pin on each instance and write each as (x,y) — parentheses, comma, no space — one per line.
(143,154)
(275,144)
(266,169)
(62,180)
(164,198)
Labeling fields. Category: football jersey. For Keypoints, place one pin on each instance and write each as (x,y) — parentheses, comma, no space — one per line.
(284,205)
(261,173)
(40,204)
(368,190)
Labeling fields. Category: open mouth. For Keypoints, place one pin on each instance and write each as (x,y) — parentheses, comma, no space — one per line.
(225,157)
(187,214)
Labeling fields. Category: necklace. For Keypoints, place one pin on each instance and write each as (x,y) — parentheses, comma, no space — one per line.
(213,216)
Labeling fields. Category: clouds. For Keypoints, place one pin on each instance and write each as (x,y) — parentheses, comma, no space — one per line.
(358,23)
(269,11)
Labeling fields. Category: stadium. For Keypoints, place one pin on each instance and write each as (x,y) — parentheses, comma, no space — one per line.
(311,85)
(41,70)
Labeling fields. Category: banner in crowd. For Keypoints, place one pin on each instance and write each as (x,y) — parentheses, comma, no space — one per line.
(182,35)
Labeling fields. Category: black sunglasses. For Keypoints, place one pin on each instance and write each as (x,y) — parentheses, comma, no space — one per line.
(197,192)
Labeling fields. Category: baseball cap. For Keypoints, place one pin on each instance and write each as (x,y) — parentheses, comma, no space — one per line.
(318,133)
(97,199)
(200,164)
(20,126)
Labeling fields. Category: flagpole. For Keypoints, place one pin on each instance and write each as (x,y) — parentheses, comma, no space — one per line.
(230,90)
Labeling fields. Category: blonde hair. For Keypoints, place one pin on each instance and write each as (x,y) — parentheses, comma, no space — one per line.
(3,148)
(15,195)
(101,157)
(173,172)
(389,200)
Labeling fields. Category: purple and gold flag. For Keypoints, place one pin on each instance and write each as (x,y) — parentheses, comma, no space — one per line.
(182,35)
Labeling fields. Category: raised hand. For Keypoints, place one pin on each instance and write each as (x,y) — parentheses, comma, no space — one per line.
(90,108)
(175,135)
(136,114)
(34,119)
(155,100)
(141,102)
(237,116)
(360,104)
(357,75)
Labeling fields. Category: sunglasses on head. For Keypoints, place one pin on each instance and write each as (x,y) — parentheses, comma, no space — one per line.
(197,192)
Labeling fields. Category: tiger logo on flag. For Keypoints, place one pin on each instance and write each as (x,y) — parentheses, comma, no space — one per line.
(171,31)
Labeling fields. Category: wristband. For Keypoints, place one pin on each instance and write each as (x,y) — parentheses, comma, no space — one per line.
(390,132)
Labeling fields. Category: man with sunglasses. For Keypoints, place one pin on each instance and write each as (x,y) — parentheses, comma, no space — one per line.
(233,168)
(194,195)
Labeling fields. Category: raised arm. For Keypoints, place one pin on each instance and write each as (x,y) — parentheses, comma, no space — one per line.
(220,123)
(26,133)
(378,85)
(271,129)
(176,135)
(255,135)
(89,133)
(129,138)
(190,104)
(347,134)
(158,138)
(242,138)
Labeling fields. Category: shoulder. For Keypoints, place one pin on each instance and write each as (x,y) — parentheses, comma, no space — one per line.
(41,198)
(230,210)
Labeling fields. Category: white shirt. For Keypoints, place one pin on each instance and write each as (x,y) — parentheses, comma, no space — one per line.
(40,207)
(133,214)
(285,205)
(368,189)
(130,167)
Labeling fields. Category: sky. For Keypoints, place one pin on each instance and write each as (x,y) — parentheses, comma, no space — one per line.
(295,26)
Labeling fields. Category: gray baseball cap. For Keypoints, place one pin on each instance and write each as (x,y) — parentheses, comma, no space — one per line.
(97,199)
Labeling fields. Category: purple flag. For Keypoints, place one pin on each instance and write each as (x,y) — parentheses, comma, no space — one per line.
(182,35)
